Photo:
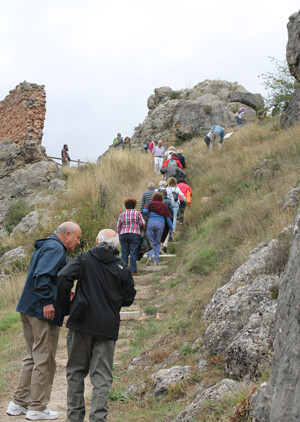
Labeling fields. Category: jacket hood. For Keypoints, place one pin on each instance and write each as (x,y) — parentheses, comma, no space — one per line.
(53,238)
(105,253)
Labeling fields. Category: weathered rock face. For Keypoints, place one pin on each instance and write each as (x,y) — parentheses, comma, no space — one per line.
(292,113)
(189,112)
(24,169)
(241,314)
(22,113)
(279,400)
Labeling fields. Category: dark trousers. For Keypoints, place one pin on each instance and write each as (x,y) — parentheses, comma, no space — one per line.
(182,207)
(94,354)
(129,246)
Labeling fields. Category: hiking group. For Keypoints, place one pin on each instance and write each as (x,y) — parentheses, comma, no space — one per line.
(159,209)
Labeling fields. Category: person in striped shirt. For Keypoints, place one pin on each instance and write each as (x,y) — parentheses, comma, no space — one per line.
(129,227)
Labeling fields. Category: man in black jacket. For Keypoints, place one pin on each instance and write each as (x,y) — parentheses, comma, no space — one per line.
(107,285)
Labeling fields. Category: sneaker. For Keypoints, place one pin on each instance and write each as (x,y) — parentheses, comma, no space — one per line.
(14,409)
(41,415)
(149,260)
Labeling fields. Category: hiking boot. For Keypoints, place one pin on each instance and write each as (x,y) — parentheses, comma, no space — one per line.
(41,415)
(14,409)
(164,249)
(149,261)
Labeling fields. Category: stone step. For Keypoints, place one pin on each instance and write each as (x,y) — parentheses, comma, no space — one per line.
(155,268)
(130,315)
(143,295)
(163,255)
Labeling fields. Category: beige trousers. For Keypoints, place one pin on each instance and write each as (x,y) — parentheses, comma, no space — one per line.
(38,365)
(214,138)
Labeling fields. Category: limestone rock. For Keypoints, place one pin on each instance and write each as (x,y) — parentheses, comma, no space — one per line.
(161,381)
(293,45)
(13,255)
(24,171)
(28,224)
(279,400)
(292,113)
(212,394)
(183,114)
(241,314)
(292,199)
(165,378)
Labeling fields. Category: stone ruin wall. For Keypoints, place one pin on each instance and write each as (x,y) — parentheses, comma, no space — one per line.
(22,113)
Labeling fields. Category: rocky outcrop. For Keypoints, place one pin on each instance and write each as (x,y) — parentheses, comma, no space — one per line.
(183,114)
(24,170)
(241,314)
(22,113)
(279,400)
(291,116)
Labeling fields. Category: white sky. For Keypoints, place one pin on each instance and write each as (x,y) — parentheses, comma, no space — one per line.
(101,59)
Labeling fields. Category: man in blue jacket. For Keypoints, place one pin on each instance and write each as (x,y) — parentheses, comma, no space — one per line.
(216,135)
(41,321)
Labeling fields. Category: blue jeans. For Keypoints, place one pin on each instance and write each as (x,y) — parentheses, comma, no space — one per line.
(175,211)
(155,230)
(129,246)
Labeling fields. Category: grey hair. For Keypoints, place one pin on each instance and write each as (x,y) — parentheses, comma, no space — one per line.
(103,236)
(163,183)
(68,226)
(151,185)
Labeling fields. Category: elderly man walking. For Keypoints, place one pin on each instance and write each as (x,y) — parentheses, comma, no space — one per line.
(41,321)
(158,152)
(107,285)
(147,196)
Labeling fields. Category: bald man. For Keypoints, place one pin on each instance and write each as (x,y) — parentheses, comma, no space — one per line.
(107,285)
(41,321)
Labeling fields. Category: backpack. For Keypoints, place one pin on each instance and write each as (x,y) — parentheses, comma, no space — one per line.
(172,163)
(175,195)
(116,142)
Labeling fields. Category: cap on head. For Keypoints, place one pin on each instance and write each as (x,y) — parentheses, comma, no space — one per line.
(179,151)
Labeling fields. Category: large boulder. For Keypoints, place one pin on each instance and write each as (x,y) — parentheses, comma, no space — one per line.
(183,114)
(279,400)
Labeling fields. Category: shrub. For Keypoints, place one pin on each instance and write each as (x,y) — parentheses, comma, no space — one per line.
(16,212)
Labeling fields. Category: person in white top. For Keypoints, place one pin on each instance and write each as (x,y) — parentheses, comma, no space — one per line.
(173,193)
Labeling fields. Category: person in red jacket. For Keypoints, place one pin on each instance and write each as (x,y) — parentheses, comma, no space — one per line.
(184,187)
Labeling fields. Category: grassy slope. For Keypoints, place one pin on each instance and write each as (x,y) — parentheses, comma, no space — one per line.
(217,237)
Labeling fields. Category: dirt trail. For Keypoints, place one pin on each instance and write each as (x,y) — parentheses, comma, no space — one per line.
(59,390)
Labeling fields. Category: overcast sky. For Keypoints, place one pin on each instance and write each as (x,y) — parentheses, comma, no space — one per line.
(101,59)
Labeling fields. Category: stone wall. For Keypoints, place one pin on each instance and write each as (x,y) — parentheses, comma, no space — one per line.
(22,113)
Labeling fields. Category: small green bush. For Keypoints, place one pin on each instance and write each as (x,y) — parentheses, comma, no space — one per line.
(116,395)
(15,214)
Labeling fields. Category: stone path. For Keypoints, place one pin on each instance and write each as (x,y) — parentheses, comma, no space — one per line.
(133,313)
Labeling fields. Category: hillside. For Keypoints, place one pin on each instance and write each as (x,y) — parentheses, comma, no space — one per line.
(244,186)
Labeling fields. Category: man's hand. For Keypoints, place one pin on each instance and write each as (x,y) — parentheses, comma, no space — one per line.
(72,294)
(173,232)
(49,312)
